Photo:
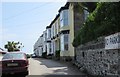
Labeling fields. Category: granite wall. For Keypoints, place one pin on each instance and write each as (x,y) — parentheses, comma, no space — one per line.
(94,59)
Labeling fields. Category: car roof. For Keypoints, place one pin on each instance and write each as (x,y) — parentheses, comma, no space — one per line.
(13,53)
(3,52)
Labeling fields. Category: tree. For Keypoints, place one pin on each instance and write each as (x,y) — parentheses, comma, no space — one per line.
(103,21)
(89,6)
(13,46)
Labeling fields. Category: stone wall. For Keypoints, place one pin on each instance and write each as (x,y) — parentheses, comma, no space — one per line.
(94,59)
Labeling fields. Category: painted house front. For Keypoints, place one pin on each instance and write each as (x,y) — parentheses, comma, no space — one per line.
(38,46)
(55,40)
(49,51)
(72,17)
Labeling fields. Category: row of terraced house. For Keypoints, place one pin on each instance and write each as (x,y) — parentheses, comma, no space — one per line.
(60,34)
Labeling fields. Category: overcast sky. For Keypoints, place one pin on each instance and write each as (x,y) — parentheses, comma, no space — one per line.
(26,21)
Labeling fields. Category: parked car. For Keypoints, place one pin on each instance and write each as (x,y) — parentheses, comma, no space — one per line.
(14,63)
(2,53)
(28,56)
(34,56)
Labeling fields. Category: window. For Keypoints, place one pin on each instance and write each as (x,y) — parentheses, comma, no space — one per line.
(64,42)
(66,38)
(66,46)
(64,18)
(55,29)
(48,33)
(86,13)
(52,30)
(14,56)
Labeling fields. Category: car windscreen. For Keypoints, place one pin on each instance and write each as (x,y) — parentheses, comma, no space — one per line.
(13,56)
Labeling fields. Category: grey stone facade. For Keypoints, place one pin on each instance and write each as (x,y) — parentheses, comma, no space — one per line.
(94,59)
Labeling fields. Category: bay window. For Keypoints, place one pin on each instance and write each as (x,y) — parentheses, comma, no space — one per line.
(64,18)
(64,42)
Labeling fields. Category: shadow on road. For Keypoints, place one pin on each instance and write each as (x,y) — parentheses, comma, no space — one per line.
(58,76)
(13,75)
(49,63)
(59,68)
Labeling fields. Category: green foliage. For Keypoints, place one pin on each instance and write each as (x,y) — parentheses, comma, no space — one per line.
(13,46)
(104,20)
(28,55)
(57,54)
(90,5)
(44,54)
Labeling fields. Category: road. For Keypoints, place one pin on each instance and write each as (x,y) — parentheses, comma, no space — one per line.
(49,68)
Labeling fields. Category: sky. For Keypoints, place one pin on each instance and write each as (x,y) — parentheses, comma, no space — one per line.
(26,21)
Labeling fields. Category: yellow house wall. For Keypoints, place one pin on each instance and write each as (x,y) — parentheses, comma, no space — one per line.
(57,29)
(71,36)
(65,28)
(64,53)
(70,52)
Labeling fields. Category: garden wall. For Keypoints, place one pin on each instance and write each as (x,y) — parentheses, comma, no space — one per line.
(94,59)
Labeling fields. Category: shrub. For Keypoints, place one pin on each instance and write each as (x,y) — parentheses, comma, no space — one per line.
(104,20)
(44,54)
(57,54)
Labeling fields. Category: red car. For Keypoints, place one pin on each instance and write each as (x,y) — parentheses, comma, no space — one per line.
(14,63)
